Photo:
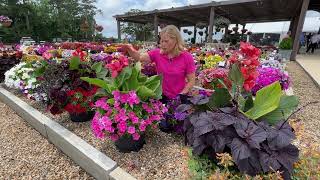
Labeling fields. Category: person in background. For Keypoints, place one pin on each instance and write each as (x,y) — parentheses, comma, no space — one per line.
(313,42)
(308,38)
(176,65)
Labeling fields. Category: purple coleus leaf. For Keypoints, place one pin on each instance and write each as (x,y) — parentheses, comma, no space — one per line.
(199,145)
(216,140)
(272,160)
(199,99)
(250,165)
(183,108)
(250,132)
(280,136)
(205,122)
(240,149)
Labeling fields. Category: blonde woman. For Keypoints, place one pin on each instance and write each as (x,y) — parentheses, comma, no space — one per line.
(176,65)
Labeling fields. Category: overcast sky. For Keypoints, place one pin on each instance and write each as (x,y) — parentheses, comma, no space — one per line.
(112,7)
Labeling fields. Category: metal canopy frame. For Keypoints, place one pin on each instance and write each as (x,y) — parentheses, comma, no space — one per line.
(238,11)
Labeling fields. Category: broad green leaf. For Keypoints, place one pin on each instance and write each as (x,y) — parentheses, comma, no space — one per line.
(267,100)
(236,76)
(102,73)
(145,93)
(132,82)
(286,107)
(97,67)
(100,83)
(223,84)
(137,66)
(248,103)
(124,75)
(39,71)
(142,79)
(220,98)
(74,63)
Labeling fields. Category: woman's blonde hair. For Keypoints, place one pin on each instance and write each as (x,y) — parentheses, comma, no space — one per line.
(173,32)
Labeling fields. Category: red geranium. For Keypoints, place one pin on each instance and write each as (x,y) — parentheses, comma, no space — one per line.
(248,59)
(81,54)
(80,100)
(117,65)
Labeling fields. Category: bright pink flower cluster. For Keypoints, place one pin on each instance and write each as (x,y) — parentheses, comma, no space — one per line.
(125,114)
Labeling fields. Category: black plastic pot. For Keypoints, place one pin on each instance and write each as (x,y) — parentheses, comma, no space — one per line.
(165,126)
(82,117)
(127,144)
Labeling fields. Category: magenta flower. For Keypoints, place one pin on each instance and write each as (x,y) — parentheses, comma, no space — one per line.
(114,137)
(142,127)
(146,108)
(101,103)
(116,95)
(133,117)
(136,136)
(122,127)
(133,98)
(131,130)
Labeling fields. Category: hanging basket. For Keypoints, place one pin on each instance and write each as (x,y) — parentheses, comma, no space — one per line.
(189,32)
(6,24)
(185,30)
(99,28)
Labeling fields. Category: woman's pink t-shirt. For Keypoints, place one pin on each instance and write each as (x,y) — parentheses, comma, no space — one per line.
(174,71)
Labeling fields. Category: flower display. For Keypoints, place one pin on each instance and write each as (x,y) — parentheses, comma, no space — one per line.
(79,53)
(149,69)
(80,100)
(269,75)
(211,61)
(248,58)
(42,49)
(21,77)
(5,19)
(101,57)
(209,76)
(117,64)
(125,115)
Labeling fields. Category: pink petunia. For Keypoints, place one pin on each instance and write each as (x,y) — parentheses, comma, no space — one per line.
(142,127)
(133,117)
(114,137)
(131,130)
(136,136)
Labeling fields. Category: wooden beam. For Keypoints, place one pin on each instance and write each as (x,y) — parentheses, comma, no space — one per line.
(156,23)
(298,29)
(119,30)
(211,25)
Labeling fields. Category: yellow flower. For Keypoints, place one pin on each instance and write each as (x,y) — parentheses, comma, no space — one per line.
(211,61)
(29,58)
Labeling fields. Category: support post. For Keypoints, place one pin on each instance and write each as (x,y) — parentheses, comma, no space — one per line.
(211,25)
(155,23)
(195,33)
(119,31)
(298,29)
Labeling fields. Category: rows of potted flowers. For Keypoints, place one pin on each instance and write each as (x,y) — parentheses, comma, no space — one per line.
(242,109)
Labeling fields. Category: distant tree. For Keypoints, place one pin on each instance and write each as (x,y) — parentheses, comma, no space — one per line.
(141,32)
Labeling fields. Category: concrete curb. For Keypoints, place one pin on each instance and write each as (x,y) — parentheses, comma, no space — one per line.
(313,79)
(89,158)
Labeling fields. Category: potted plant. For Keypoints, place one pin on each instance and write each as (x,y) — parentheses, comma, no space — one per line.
(285,48)
(5,21)
(65,90)
(129,102)
(254,131)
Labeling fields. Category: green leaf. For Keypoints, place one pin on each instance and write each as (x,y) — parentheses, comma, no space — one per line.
(220,98)
(124,75)
(236,76)
(132,82)
(100,83)
(145,93)
(286,107)
(102,74)
(97,67)
(74,63)
(267,100)
(248,103)
(137,66)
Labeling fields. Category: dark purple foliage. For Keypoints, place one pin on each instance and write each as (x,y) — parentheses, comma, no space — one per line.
(256,147)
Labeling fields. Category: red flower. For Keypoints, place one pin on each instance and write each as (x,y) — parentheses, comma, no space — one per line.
(79,53)
(249,50)
(117,65)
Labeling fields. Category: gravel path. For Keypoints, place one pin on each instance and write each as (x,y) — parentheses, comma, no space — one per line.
(25,154)
(307,91)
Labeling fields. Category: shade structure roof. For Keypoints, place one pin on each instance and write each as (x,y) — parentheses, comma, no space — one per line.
(238,11)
